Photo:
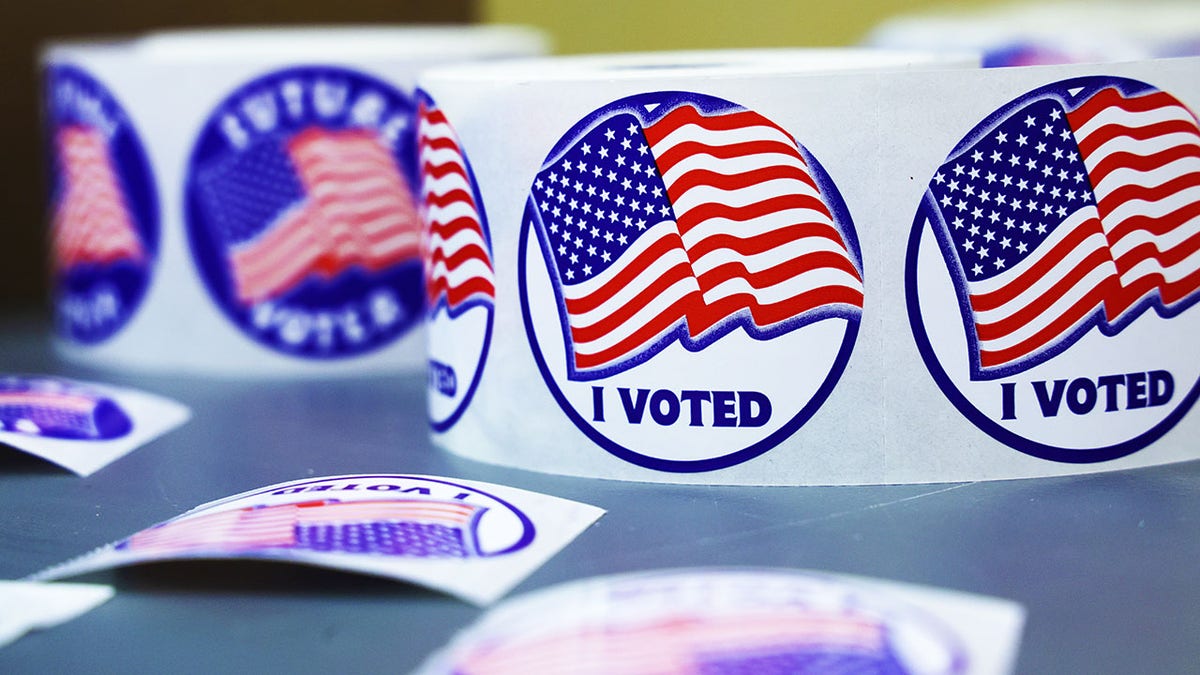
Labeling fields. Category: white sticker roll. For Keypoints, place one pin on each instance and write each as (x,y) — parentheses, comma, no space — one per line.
(799,269)
(239,202)
(1026,34)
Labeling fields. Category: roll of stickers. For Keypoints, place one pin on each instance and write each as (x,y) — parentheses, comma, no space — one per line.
(802,268)
(1052,32)
(240,202)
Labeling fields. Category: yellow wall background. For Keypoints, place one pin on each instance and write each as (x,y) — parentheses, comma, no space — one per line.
(650,25)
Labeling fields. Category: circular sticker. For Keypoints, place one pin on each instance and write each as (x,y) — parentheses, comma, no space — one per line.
(104,228)
(690,280)
(381,515)
(706,621)
(1052,266)
(55,408)
(300,214)
(460,283)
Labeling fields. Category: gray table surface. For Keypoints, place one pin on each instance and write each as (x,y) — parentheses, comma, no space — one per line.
(1107,566)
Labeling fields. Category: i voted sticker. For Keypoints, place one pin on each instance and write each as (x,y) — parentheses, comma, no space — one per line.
(300,212)
(474,540)
(460,280)
(104,219)
(690,280)
(1053,267)
(51,407)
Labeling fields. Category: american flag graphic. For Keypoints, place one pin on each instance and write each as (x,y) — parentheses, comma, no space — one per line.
(1062,218)
(47,409)
(458,265)
(685,228)
(404,527)
(317,203)
(92,223)
(765,643)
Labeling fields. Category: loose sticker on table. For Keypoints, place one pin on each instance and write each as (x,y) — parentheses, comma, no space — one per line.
(1053,268)
(667,236)
(470,539)
(300,211)
(81,426)
(737,621)
(104,211)
(460,280)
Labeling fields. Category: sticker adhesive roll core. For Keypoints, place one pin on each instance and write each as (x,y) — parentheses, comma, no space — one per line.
(704,267)
(242,202)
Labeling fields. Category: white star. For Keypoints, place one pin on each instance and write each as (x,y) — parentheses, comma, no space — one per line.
(996,156)
(989,235)
(974,230)
(1041,228)
(609,134)
(1047,130)
(1055,114)
(591,251)
(958,170)
(976,156)
(976,212)
(625,183)
(626,144)
(604,195)
(608,237)
(621,239)
(595,231)
(612,175)
(983,253)
(1024,226)
(570,273)
(1005,242)
(574,258)
(1038,189)
(946,200)
(1058,153)
(620,160)
(587,269)
(596,171)
(566,165)
(562,250)
(1022,247)
(990,177)
(606,256)
(937,178)
(587,149)
(1021,140)
(603,152)
(1009,223)
(1040,147)
(1007,180)
(1001,137)
(643,149)
(999,263)
(1029,121)
(968,245)
(632,128)
(641,188)
(977,270)
(973,173)
(958,223)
